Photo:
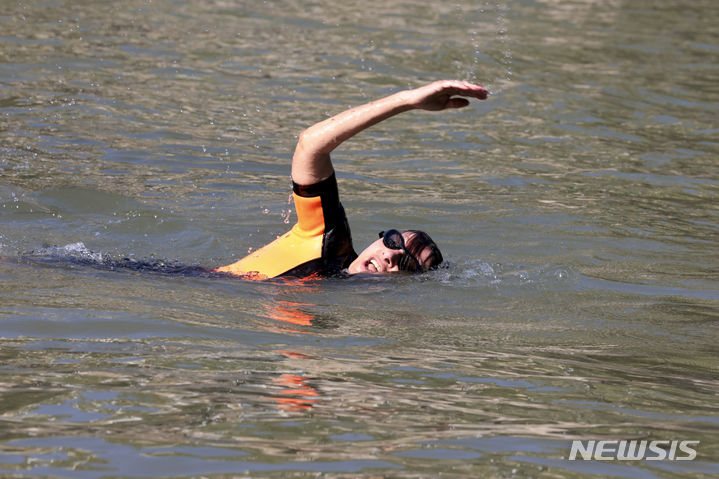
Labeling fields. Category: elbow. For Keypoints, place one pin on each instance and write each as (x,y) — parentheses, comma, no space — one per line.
(304,137)
(311,141)
(303,143)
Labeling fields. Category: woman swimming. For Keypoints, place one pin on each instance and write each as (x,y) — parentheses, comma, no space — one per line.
(320,242)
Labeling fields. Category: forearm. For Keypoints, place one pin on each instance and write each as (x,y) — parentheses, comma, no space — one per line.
(328,134)
(311,161)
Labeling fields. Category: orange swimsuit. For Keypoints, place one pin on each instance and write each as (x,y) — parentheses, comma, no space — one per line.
(320,242)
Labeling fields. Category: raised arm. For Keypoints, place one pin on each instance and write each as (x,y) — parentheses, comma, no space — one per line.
(311,162)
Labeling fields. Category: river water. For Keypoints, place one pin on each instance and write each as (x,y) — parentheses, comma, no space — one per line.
(577,208)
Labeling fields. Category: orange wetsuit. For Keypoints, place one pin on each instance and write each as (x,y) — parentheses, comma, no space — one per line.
(320,242)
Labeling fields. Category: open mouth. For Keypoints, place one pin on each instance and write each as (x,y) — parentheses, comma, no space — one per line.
(373,264)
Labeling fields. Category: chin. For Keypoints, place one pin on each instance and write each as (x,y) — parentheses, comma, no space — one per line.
(354,267)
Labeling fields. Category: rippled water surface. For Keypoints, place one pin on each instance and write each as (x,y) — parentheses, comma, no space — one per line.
(577,208)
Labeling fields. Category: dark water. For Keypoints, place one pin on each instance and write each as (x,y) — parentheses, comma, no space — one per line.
(577,207)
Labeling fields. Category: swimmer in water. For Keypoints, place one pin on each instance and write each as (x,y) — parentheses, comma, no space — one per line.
(320,242)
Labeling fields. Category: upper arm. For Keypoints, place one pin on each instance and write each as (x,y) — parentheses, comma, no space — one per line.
(310,164)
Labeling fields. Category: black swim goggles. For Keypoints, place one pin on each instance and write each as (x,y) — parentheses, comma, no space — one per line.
(393,239)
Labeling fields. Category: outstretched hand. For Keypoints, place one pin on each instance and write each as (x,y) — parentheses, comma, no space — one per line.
(445,94)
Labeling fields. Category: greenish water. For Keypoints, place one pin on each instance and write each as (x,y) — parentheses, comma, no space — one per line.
(577,208)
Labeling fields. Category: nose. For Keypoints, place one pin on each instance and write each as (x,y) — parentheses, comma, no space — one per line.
(391,258)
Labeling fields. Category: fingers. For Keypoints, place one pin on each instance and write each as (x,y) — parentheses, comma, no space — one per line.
(463,88)
(445,94)
(471,90)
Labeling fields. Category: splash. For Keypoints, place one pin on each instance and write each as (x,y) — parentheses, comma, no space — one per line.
(503,39)
(500,45)
(480,273)
(79,254)
(74,251)
(288,212)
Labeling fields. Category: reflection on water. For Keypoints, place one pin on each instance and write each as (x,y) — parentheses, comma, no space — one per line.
(142,143)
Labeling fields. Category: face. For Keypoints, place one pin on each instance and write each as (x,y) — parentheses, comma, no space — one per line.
(377,258)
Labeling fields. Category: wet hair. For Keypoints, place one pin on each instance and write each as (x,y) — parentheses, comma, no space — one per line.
(419,242)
